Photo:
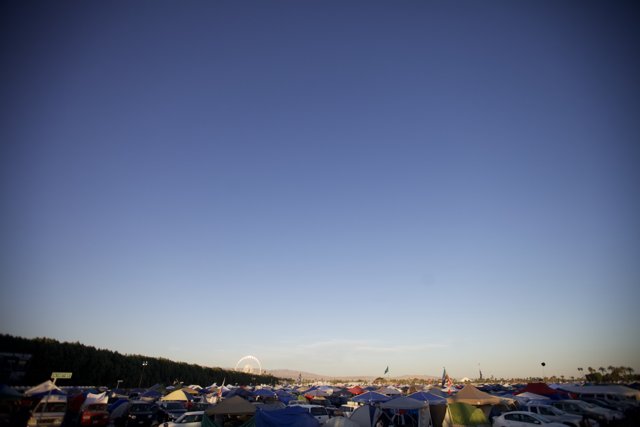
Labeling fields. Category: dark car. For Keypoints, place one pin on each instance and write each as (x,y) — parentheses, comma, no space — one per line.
(138,414)
(171,411)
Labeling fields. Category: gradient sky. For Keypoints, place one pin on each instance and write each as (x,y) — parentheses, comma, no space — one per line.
(333,186)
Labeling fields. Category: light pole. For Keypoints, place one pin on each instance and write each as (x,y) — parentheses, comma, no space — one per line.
(145,363)
(118,384)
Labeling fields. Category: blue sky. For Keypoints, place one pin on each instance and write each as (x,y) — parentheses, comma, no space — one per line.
(333,187)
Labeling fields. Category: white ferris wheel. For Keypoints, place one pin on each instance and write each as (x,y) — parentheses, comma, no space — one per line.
(249,364)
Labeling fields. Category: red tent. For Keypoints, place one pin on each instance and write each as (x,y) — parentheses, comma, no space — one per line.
(356,390)
(542,389)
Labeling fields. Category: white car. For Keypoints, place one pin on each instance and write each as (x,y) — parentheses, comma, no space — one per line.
(579,407)
(318,412)
(554,414)
(523,419)
(188,419)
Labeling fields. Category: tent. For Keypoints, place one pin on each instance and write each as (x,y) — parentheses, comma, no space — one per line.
(340,422)
(150,395)
(8,393)
(471,395)
(542,389)
(614,390)
(264,392)
(437,406)
(233,406)
(403,403)
(356,390)
(428,397)
(292,416)
(178,395)
(389,391)
(365,416)
(463,414)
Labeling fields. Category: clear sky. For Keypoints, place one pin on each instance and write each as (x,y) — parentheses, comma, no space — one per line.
(330,186)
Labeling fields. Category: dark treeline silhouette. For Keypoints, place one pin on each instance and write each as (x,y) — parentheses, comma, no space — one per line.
(96,367)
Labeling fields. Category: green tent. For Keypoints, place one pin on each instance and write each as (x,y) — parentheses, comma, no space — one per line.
(463,414)
(208,422)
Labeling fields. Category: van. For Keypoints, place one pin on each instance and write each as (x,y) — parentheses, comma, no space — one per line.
(49,412)
(318,412)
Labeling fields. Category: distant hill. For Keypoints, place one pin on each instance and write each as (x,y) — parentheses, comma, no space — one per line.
(308,376)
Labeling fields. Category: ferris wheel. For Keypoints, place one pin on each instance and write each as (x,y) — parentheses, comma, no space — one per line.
(249,364)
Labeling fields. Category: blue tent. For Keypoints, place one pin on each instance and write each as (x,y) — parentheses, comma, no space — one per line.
(292,416)
(264,392)
(370,397)
(428,397)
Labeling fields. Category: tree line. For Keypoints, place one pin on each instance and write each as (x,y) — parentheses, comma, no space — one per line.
(97,367)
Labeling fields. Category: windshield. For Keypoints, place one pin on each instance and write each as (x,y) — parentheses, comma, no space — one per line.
(549,410)
(543,419)
(97,407)
(174,405)
(140,408)
(51,407)
(318,411)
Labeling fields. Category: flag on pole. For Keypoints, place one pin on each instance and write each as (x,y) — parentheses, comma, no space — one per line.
(480,374)
(386,370)
(444,377)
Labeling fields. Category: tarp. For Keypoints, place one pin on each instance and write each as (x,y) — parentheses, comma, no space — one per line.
(462,414)
(389,391)
(233,406)
(43,389)
(370,396)
(93,399)
(428,397)
(264,392)
(293,416)
(404,402)
(531,397)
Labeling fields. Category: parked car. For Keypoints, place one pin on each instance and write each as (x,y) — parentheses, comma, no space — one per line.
(171,411)
(188,419)
(609,404)
(318,412)
(523,419)
(95,414)
(49,412)
(137,414)
(578,407)
(554,414)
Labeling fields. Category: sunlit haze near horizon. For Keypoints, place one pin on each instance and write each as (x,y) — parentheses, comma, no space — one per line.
(333,187)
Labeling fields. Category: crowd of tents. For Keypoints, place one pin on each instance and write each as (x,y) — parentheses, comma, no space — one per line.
(357,406)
